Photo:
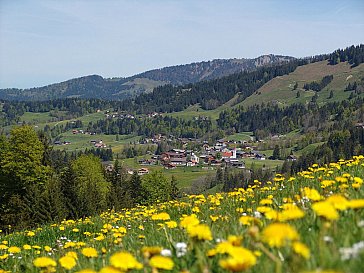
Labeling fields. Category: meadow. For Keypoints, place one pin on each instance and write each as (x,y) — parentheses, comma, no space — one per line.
(313,222)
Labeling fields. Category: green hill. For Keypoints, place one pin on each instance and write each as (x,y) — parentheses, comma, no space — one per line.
(281,89)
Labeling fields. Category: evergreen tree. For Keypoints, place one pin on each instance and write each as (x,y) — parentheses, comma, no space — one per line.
(91,188)
(276,153)
(175,192)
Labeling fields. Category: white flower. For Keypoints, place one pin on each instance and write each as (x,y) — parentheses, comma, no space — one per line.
(181,249)
(166,253)
(351,252)
(181,245)
(257,214)
(328,239)
(361,223)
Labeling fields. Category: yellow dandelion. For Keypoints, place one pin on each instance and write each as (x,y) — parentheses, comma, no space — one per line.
(171,224)
(110,269)
(124,261)
(190,220)
(249,220)
(47,248)
(89,252)
(279,234)
(356,203)
(72,254)
(311,194)
(3,257)
(338,201)
(301,249)
(14,249)
(266,201)
(235,240)
(27,247)
(161,262)
(30,233)
(200,232)
(240,259)
(290,212)
(325,209)
(44,262)
(161,216)
(67,262)
(151,250)
(3,247)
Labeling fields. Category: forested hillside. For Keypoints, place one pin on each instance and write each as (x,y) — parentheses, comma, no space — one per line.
(95,86)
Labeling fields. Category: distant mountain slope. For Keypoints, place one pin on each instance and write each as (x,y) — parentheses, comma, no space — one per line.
(95,86)
(281,89)
(195,72)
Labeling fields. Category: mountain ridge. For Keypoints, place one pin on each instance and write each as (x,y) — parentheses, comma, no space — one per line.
(95,86)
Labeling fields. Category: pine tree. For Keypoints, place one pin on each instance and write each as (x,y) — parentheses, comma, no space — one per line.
(174,189)
(276,153)
(331,95)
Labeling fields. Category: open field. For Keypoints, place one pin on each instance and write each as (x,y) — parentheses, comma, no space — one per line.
(243,136)
(280,89)
(82,141)
(31,117)
(184,175)
(270,164)
(291,225)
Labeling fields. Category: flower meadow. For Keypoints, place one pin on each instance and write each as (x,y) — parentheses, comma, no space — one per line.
(313,222)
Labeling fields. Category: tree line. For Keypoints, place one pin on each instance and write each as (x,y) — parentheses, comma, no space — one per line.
(273,119)
(318,86)
(34,189)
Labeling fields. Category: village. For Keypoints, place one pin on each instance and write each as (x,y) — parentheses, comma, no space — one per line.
(221,154)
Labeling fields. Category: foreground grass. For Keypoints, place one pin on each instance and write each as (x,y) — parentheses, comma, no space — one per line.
(313,222)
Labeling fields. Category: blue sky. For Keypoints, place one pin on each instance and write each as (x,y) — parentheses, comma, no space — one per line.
(43,42)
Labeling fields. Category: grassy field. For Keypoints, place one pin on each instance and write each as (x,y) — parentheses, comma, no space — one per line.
(280,89)
(195,110)
(30,117)
(243,136)
(184,175)
(308,149)
(270,164)
(297,225)
(82,141)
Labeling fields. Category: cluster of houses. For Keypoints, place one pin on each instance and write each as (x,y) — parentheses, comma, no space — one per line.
(58,142)
(76,132)
(98,143)
(108,114)
(118,115)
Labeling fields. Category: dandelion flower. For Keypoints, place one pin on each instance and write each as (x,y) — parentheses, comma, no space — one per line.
(124,261)
(200,232)
(190,220)
(240,259)
(278,234)
(171,224)
(161,216)
(161,262)
(109,269)
(89,252)
(356,203)
(301,249)
(14,249)
(325,209)
(67,262)
(44,262)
